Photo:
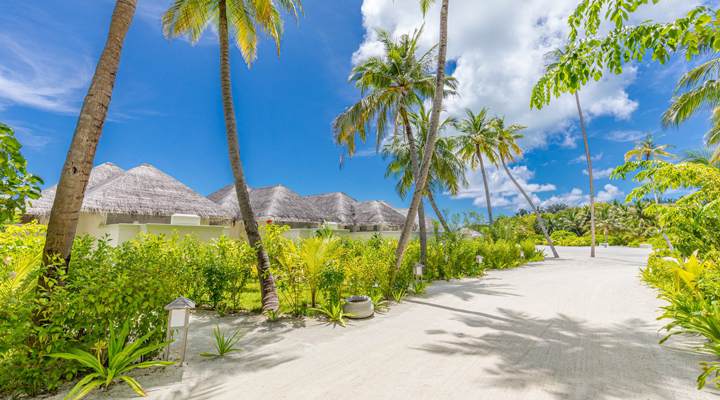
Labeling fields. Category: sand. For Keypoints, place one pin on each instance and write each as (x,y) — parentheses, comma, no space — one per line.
(572,328)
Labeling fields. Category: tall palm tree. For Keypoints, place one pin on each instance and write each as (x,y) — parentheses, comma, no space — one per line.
(698,91)
(447,171)
(608,220)
(241,20)
(391,86)
(701,156)
(650,149)
(432,136)
(507,150)
(554,58)
(479,141)
(79,161)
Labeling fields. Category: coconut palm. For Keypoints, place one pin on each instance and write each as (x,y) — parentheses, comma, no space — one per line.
(575,220)
(608,220)
(239,20)
(650,149)
(554,58)
(507,150)
(79,161)
(479,141)
(447,171)
(700,92)
(702,156)
(391,86)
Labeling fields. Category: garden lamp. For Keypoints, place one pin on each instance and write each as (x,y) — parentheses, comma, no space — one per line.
(522,255)
(479,259)
(178,319)
(418,270)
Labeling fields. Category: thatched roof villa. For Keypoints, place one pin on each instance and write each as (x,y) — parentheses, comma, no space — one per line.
(124,203)
(338,206)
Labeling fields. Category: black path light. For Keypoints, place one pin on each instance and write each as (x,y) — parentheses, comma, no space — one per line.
(178,319)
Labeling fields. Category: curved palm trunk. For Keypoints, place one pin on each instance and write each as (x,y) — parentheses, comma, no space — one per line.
(542,224)
(429,145)
(79,161)
(662,228)
(437,211)
(487,190)
(592,184)
(415,168)
(267,282)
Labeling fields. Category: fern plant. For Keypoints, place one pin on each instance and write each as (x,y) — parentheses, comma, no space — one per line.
(334,311)
(224,344)
(120,358)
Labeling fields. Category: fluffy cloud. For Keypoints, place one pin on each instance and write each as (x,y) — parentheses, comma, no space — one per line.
(622,136)
(600,173)
(582,158)
(498,48)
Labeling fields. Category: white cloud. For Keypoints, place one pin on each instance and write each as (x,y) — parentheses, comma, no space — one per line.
(621,136)
(577,197)
(583,158)
(33,75)
(600,173)
(499,48)
(609,193)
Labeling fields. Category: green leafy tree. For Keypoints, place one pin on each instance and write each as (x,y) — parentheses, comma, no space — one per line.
(16,184)
(241,21)
(391,86)
(507,150)
(479,141)
(81,155)
(447,171)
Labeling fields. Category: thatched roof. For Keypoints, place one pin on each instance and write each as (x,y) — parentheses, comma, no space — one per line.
(335,206)
(143,190)
(473,234)
(98,175)
(428,220)
(273,202)
(376,212)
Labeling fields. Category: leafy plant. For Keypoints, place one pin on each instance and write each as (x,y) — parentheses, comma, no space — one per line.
(273,315)
(334,311)
(419,286)
(399,294)
(16,184)
(224,344)
(112,365)
(379,302)
(689,271)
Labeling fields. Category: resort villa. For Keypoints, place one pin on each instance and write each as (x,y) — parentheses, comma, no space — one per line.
(122,204)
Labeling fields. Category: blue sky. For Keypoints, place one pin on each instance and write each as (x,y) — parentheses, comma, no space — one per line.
(166,107)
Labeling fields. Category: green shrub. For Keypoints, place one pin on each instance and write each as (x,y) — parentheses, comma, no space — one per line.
(499,254)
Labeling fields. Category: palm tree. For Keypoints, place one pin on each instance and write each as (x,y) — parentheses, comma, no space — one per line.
(507,149)
(478,141)
(650,149)
(447,171)
(391,86)
(575,220)
(240,19)
(432,136)
(608,220)
(79,161)
(554,58)
(700,89)
(700,156)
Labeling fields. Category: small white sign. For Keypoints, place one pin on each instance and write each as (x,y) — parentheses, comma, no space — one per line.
(177,318)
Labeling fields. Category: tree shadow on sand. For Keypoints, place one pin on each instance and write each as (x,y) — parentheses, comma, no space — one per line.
(571,358)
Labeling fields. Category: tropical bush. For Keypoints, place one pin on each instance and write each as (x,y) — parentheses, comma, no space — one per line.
(499,254)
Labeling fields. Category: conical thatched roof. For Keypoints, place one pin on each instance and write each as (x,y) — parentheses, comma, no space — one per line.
(145,190)
(336,206)
(98,175)
(376,212)
(428,220)
(273,202)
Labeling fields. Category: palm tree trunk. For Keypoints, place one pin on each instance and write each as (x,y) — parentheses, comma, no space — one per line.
(592,184)
(429,144)
(487,190)
(79,161)
(415,169)
(437,211)
(540,221)
(657,201)
(267,282)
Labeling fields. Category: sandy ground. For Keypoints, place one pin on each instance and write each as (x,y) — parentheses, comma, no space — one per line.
(573,328)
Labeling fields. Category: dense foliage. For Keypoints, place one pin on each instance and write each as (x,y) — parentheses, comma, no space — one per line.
(16,183)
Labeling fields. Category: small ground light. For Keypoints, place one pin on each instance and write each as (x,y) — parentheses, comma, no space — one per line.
(418,270)
(522,255)
(479,259)
(178,319)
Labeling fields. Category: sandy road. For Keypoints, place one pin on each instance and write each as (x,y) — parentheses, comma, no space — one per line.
(573,328)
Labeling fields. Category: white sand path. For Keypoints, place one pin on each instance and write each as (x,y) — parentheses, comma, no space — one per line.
(573,328)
